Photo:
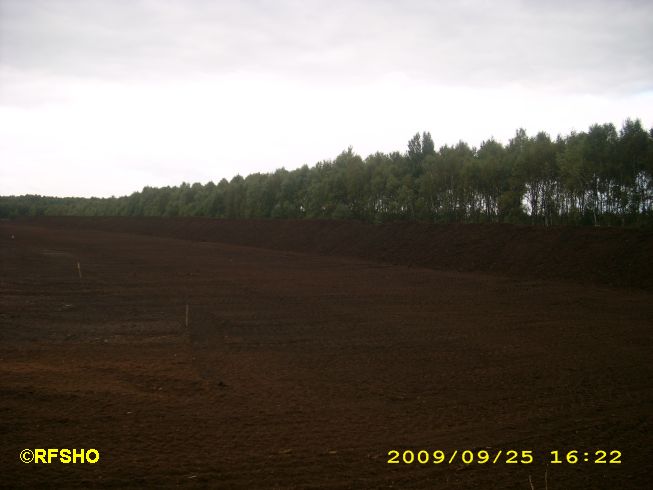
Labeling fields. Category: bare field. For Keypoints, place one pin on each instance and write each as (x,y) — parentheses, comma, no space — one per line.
(301,369)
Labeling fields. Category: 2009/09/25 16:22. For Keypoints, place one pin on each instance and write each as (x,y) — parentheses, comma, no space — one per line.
(510,456)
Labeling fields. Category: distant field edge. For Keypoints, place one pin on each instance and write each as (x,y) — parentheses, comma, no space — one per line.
(618,257)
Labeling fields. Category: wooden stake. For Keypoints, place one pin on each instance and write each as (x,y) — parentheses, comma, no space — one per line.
(79,270)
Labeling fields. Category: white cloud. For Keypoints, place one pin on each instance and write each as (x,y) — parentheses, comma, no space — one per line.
(107,97)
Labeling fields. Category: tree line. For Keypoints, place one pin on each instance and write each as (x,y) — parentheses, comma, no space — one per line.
(602,176)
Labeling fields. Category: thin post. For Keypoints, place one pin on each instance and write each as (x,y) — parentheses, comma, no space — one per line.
(186,315)
(79,270)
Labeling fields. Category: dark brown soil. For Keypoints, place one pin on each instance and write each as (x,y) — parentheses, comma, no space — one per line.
(313,349)
(609,256)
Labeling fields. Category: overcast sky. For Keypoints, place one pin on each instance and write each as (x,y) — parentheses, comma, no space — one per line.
(104,97)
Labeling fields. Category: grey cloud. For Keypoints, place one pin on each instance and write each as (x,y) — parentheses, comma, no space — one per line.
(601,46)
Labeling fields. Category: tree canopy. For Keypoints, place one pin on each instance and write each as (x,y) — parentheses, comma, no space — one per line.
(599,177)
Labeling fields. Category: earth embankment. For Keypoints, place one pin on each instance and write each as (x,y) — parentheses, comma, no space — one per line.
(608,256)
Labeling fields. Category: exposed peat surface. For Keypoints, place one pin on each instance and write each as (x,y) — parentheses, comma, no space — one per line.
(314,348)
